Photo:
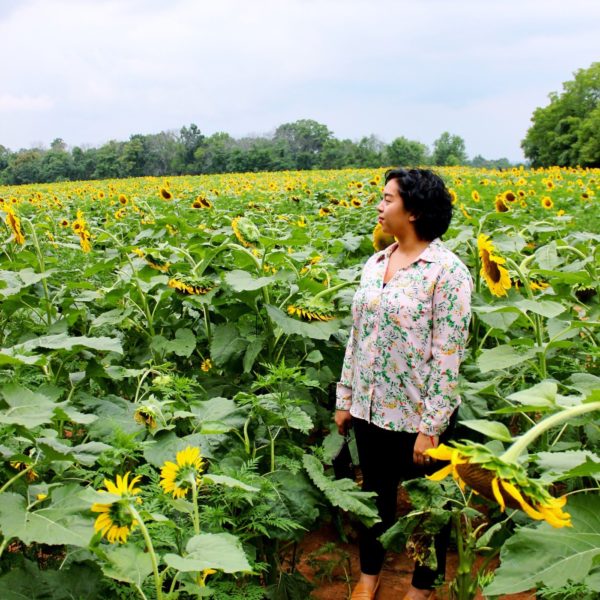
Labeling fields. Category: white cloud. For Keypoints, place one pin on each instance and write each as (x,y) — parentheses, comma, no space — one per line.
(24,103)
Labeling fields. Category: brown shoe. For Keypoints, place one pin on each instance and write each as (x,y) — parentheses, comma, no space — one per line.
(361,592)
(411,596)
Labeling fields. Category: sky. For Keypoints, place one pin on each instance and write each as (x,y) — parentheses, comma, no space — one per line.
(89,71)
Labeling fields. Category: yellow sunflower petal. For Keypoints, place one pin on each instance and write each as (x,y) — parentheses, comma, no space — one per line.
(498,494)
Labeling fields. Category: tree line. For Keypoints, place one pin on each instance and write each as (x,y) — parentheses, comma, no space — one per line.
(303,144)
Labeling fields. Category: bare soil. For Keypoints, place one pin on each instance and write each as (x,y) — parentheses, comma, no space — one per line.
(336,572)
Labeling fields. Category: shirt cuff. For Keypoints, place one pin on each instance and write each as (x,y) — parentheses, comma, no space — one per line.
(343,397)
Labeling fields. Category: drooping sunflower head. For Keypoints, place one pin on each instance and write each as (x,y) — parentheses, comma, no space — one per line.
(178,478)
(310,308)
(496,276)
(192,286)
(115,522)
(165,193)
(157,261)
(146,415)
(505,483)
(381,240)
(245,231)
(501,205)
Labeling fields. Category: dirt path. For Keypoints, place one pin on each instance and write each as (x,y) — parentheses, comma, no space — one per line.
(341,569)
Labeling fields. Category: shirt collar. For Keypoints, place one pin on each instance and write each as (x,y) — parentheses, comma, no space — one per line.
(430,254)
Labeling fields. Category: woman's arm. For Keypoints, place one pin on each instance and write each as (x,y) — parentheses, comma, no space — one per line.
(451,314)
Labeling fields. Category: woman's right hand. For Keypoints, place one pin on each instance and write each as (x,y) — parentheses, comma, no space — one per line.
(343,420)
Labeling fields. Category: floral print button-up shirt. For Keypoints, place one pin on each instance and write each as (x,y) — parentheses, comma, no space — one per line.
(408,337)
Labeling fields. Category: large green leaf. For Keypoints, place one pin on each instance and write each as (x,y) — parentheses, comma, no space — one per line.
(546,308)
(493,429)
(226,344)
(543,555)
(59,523)
(221,551)
(25,407)
(29,582)
(62,341)
(504,356)
(85,454)
(541,394)
(342,493)
(317,330)
(128,563)
(16,281)
(242,281)
(183,344)
(559,465)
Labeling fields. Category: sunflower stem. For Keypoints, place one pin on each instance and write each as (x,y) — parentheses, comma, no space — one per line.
(149,546)
(335,288)
(16,477)
(537,319)
(518,447)
(195,502)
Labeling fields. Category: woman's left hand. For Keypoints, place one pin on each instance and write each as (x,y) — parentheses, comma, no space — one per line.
(422,443)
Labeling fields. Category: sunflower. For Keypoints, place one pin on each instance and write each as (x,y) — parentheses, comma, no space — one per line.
(245,231)
(381,240)
(325,211)
(123,200)
(79,227)
(501,205)
(206,365)
(165,194)
(505,482)
(64,223)
(453,196)
(311,309)
(115,522)
(157,262)
(547,202)
(178,478)
(201,202)
(509,197)
(192,286)
(495,275)
(15,224)
(356,203)
(475,195)
(145,415)
(465,212)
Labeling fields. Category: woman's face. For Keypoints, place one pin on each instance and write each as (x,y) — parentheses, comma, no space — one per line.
(393,217)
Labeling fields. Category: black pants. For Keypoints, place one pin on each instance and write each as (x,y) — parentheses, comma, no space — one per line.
(386,459)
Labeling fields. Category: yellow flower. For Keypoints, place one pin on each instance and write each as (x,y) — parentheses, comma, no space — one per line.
(245,231)
(115,522)
(178,478)
(475,196)
(325,211)
(381,240)
(165,194)
(501,205)
(514,489)
(123,200)
(356,203)
(206,365)
(495,275)
(15,224)
(547,202)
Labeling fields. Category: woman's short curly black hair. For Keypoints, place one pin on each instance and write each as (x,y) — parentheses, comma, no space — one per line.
(426,197)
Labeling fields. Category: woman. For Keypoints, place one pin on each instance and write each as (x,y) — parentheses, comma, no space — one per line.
(411,316)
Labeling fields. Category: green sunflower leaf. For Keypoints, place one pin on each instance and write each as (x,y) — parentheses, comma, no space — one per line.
(542,555)
(221,551)
(128,563)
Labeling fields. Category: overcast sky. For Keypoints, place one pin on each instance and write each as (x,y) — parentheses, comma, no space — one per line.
(88,71)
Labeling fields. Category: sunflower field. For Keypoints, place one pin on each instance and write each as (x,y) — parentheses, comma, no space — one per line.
(167,351)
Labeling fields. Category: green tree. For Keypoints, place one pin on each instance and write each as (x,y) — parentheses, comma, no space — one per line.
(566,132)
(405,152)
(303,140)
(449,150)
(25,166)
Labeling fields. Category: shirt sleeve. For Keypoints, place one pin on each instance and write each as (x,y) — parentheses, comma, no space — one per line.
(451,314)
(343,395)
